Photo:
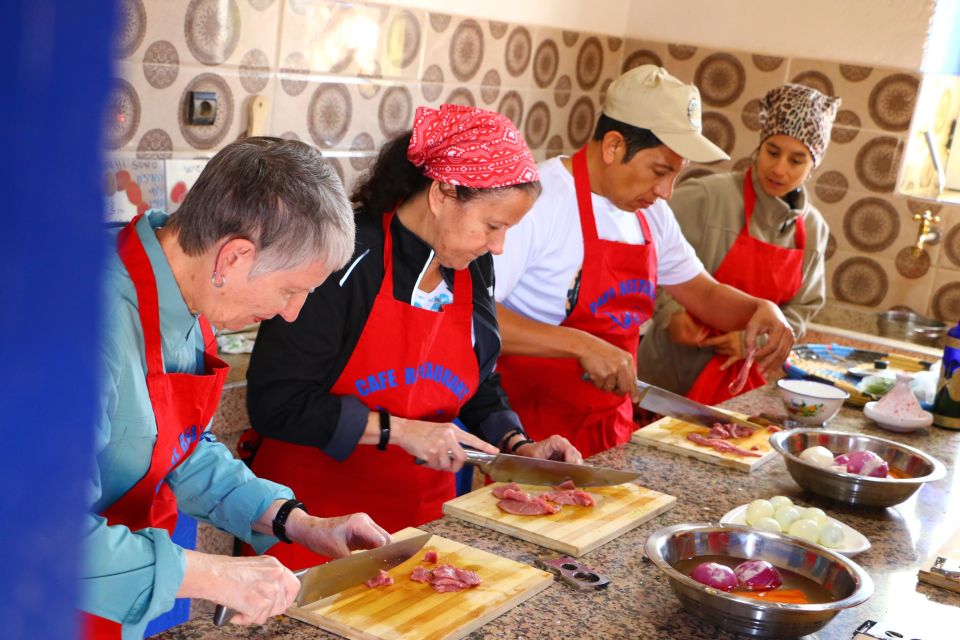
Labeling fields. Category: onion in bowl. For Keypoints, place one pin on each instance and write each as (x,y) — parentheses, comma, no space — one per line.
(715,575)
(758,575)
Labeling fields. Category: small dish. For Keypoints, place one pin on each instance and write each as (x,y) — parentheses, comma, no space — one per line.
(895,423)
(811,403)
(854,542)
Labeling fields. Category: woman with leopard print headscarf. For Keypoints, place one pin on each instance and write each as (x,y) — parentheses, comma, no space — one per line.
(755,230)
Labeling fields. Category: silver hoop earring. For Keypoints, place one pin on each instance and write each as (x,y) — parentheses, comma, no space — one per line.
(218,280)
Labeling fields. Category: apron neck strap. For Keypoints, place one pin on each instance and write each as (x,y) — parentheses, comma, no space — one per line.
(581,181)
(135,259)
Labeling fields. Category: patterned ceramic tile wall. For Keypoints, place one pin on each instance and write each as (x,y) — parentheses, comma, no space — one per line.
(348,76)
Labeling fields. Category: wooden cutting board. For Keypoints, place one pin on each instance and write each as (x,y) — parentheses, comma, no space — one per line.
(574,530)
(949,551)
(670,434)
(409,610)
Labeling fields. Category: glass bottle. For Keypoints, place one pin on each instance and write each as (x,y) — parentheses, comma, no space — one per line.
(946,404)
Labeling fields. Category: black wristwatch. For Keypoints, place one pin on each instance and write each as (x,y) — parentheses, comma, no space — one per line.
(384,430)
(280,520)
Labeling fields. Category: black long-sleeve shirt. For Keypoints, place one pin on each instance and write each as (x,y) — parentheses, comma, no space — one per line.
(295,365)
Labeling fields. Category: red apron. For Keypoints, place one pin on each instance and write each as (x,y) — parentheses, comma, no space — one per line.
(617,289)
(762,270)
(415,363)
(183,404)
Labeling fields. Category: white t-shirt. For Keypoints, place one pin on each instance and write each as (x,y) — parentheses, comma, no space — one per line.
(543,254)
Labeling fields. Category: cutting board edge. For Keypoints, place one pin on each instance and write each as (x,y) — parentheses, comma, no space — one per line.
(513,532)
(938,580)
(519,599)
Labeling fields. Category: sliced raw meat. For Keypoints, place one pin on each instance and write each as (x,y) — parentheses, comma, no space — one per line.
(421,574)
(570,497)
(520,496)
(430,556)
(498,491)
(720,445)
(724,430)
(566,485)
(530,507)
(382,579)
(446,578)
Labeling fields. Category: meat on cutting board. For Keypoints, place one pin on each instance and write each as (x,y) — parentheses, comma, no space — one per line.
(430,556)
(446,578)
(382,579)
(720,445)
(570,497)
(523,504)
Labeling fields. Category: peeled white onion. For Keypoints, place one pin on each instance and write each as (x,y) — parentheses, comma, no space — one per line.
(806,529)
(715,575)
(786,515)
(812,513)
(780,501)
(758,509)
(820,456)
(758,575)
(831,535)
(767,524)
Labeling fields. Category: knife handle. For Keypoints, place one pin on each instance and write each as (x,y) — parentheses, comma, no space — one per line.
(473,457)
(222,615)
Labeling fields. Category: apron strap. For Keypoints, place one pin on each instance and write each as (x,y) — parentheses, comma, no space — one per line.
(135,259)
(581,181)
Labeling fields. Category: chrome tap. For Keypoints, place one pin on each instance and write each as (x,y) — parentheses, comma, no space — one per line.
(926,232)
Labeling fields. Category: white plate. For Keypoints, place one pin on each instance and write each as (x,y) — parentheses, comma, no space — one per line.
(864,370)
(854,542)
(895,424)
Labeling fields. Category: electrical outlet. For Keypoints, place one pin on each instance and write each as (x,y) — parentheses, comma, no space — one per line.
(202,107)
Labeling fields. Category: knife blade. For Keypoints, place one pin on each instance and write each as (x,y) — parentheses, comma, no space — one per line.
(524,470)
(333,577)
(667,403)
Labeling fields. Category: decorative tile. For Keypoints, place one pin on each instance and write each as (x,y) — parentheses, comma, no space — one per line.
(950,233)
(945,297)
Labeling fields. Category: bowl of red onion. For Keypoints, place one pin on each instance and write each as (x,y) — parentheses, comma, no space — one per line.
(853,468)
(756,583)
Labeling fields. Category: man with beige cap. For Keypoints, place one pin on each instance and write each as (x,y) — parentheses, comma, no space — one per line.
(578,275)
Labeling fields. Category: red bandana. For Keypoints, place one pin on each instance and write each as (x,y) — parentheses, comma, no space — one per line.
(470,147)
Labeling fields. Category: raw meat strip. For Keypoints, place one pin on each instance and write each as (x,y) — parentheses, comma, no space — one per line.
(720,445)
(430,556)
(382,579)
(498,491)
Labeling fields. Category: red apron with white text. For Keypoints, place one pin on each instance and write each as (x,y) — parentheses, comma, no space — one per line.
(617,290)
(183,404)
(762,270)
(415,363)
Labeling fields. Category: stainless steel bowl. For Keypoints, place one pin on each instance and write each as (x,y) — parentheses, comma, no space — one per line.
(848,487)
(910,326)
(840,576)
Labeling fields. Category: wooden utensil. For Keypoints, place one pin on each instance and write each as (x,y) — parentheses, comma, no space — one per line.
(408,610)
(575,530)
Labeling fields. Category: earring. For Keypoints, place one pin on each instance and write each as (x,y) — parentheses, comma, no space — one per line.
(218,280)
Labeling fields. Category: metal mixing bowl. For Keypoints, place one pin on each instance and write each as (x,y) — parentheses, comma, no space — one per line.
(843,578)
(848,487)
(910,326)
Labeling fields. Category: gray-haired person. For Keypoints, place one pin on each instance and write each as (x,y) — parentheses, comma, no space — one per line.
(265,223)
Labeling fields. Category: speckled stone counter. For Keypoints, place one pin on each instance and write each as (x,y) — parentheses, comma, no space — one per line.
(639,602)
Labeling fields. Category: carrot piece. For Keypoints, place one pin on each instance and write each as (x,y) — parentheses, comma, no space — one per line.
(785,596)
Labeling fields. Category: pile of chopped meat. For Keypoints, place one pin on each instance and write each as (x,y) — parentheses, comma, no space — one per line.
(382,579)
(446,578)
(725,430)
(718,435)
(514,500)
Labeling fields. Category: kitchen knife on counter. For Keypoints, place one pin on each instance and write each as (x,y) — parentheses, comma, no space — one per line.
(667,403)
(523,470)
(333,577)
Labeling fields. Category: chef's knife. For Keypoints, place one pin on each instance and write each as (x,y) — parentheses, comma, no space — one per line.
(333,577)
(666,403)
(524,470)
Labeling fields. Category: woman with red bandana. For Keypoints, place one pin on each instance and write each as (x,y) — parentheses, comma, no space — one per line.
(755,230)
(404,339)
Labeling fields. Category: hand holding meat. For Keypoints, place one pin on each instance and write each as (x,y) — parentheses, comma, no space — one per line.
(683,329)
(335,537)
(727,344)
(609,367)
(257,588)
(437,444)
(769,319)
(553,448)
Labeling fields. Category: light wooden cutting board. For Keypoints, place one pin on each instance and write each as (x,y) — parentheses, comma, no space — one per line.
(409,610)
(670,434)
(951,551)
(574,530)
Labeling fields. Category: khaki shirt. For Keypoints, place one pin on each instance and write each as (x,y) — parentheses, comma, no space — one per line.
(710,213)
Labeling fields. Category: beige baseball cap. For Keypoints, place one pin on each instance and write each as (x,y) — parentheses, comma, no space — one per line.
(650,98)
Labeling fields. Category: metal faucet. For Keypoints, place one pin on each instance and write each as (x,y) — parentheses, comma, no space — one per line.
(926,232)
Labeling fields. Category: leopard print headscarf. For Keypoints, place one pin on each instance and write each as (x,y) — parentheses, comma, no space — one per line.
(799,112)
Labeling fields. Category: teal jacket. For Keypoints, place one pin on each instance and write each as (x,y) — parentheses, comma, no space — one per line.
(132,577)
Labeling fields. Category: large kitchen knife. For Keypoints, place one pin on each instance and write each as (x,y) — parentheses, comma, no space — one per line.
(521,469)
(667,403)
(333,577)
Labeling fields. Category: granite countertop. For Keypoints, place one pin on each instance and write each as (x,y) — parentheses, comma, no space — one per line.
(639,602)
